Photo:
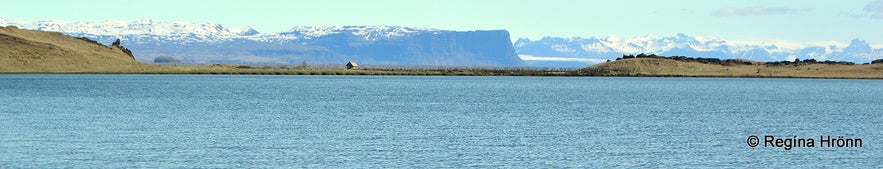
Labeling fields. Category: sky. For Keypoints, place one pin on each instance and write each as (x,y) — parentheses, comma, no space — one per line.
(746,20)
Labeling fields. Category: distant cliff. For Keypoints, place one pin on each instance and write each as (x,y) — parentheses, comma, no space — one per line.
(481,48)
(213,43)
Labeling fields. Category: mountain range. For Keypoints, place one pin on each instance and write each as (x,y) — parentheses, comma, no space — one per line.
(857,50)
(214,43)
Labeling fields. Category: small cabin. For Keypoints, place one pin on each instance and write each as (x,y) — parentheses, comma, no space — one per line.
(351,65)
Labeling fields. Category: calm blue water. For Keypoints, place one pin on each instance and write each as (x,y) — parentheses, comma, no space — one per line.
(169,121)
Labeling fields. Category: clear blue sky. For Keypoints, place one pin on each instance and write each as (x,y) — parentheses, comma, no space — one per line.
(794,20)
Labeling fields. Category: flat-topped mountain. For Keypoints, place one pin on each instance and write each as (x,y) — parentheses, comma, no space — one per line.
(213,43)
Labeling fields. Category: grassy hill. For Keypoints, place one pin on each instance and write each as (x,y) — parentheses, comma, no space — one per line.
(29,51)
(676,68)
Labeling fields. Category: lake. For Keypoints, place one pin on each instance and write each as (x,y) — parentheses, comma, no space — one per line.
(220,121)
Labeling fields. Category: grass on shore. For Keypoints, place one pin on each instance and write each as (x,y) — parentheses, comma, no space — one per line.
(640,67)
(673,68)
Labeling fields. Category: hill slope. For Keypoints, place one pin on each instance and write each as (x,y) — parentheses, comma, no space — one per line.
(29,51)
(674,68)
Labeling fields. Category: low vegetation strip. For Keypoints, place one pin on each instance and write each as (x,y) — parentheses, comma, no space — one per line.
(679,66)
(245,70)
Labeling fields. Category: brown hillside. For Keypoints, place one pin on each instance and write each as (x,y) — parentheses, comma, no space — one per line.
(29,51)
(675,68)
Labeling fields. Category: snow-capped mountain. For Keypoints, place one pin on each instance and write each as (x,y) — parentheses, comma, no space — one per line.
(212,32)
(858,51)
(138,27)
(367,32)
(214,43)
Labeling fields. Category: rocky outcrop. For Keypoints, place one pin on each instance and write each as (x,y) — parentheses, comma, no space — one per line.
(117,45)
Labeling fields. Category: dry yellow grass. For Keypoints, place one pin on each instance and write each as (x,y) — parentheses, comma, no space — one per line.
(668,67)
(29,51)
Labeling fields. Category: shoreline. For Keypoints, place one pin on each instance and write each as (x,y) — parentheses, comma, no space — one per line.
(227,70)
(378,72)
